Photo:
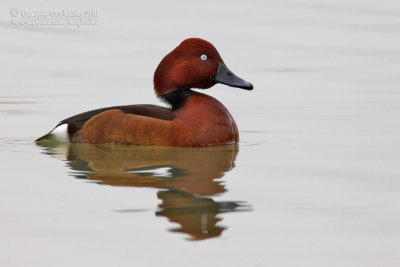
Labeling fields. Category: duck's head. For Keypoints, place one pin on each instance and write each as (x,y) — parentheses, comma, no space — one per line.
(195,63)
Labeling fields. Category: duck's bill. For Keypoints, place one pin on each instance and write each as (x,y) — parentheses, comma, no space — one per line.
(225,76)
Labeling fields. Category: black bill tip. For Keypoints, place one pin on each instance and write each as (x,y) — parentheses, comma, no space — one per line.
(225,76)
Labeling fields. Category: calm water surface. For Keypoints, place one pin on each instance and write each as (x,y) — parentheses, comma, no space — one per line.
(313,182)
(187,179)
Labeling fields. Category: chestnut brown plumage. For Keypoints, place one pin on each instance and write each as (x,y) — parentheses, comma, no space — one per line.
(194,119)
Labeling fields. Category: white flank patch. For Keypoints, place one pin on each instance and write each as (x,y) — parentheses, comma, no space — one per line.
(61,132)
(159,172)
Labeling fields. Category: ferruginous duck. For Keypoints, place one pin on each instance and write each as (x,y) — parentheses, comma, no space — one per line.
(193,119)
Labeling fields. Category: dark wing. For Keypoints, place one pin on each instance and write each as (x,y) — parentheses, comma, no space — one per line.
(76,122)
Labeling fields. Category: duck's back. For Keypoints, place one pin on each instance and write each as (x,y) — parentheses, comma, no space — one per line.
(104,124)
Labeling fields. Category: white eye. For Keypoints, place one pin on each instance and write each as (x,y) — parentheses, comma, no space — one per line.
(203,57)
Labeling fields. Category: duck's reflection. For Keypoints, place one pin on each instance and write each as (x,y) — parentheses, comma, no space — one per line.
(187,177)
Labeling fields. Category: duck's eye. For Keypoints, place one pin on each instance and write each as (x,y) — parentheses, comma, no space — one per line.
(203,57)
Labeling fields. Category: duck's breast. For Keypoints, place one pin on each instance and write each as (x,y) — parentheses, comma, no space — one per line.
(204,121)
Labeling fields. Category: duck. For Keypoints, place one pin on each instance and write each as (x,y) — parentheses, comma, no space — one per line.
(193,119)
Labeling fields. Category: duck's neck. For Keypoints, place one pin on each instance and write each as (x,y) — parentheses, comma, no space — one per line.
(178,98)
